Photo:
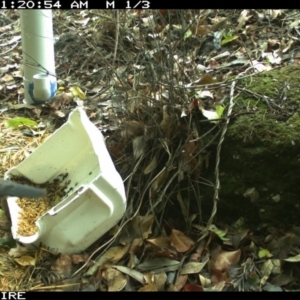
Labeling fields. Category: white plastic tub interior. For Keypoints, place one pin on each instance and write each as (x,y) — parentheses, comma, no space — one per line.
(96,200)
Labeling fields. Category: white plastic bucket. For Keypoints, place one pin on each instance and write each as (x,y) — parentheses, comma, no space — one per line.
(97,199)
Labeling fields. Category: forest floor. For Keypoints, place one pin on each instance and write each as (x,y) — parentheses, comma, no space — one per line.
(167,90)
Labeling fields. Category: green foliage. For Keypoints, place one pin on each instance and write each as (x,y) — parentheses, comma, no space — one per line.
(228,37)
(187,34)
(264,253)
(219,110)
(16,122)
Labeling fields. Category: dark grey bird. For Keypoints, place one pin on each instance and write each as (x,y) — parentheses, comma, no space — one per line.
(10,188)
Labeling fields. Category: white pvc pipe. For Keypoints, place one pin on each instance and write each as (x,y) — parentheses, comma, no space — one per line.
(41,84)
(38,55)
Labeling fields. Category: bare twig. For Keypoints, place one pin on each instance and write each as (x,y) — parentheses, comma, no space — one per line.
(117,36)
(217,182)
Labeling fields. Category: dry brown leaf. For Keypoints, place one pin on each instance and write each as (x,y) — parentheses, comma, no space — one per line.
(138,145)
(205,282)
(286,46)
(273,42)
(283,246)
(162,12)
(192,267)
(202,30)
(139,227)
(63,265)
(216,276)
(239,237)
(275,13)
(151,166)
(218,26)
(227,258)
(6,78)
(169,122)
(132,273)
(189,160)
(180,241)
(266,271)
(282,279)
(161,242)
(134,247)
(180,282)
(295,258)
(143,225)
(168,253)
(159,265)
(79,258)
(148,288)
(113,255)
(158,182)
(218,287)
(198,252)
(243,18)
(160,281)
(202,19)
(116,281)
(25,261)
(206,79)
(149,277)
(109,258)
